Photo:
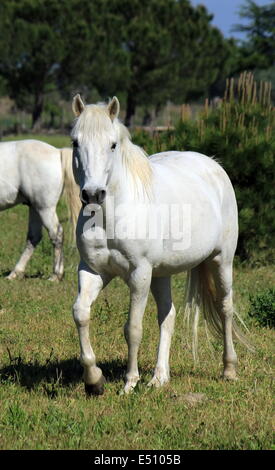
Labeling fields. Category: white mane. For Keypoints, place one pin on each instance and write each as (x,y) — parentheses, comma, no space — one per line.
(135,160)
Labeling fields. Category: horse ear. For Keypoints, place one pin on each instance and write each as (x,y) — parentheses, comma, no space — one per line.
(77,105)
(113,108)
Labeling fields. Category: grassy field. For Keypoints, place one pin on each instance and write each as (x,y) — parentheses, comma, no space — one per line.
(43,404)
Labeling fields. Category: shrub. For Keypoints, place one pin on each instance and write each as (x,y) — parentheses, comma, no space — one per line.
(238,133)
(262,308)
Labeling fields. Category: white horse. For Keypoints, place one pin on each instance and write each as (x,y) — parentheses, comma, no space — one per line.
(144,219)
(35,173)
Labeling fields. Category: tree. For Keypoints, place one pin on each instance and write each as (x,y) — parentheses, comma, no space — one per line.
(147,41)
(202,55)
(258,51)
(145,51)
(65,45)
(173,51)
(31,48)
(94,57)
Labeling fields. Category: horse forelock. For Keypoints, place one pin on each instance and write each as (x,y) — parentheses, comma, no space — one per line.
(93,122)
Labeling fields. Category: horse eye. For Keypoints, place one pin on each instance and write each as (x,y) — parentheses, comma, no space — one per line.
(75,144)
(113,146)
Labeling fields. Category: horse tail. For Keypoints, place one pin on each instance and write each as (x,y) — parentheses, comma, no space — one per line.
(201,295)
(71,189)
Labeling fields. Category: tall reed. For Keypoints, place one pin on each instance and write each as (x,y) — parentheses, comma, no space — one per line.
(246,107)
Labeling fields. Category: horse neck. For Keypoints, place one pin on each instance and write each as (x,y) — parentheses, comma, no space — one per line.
(132,173)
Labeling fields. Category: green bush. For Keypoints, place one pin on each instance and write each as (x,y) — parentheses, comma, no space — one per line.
(239,133)
(262,308)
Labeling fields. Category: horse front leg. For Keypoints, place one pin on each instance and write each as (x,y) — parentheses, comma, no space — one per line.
(139,284)
(89,286)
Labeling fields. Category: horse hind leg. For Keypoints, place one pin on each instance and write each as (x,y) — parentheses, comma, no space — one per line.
(222,276)
(51,223)
(33,238)
(161,290)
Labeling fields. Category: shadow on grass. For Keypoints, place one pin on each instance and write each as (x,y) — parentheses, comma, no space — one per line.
(38,275)
(54,373)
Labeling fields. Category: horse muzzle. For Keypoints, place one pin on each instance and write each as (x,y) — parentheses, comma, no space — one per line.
(89,196)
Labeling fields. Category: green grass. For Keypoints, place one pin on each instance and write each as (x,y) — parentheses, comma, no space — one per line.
(43,404)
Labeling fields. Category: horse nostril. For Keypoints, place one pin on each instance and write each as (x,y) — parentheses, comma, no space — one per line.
(101,196)
(85,196)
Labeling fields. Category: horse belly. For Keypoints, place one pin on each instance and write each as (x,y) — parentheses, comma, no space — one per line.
(197,239)
(176,261)
(9,197)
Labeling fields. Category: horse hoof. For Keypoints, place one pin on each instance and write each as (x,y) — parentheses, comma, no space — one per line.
(129,387)
(157,382)
(14,275)
(55,278)
(230,375)
(97,388)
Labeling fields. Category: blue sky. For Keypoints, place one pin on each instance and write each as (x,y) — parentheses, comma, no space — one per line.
(226,14)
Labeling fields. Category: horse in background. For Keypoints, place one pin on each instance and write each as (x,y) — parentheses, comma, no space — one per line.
(36,173)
